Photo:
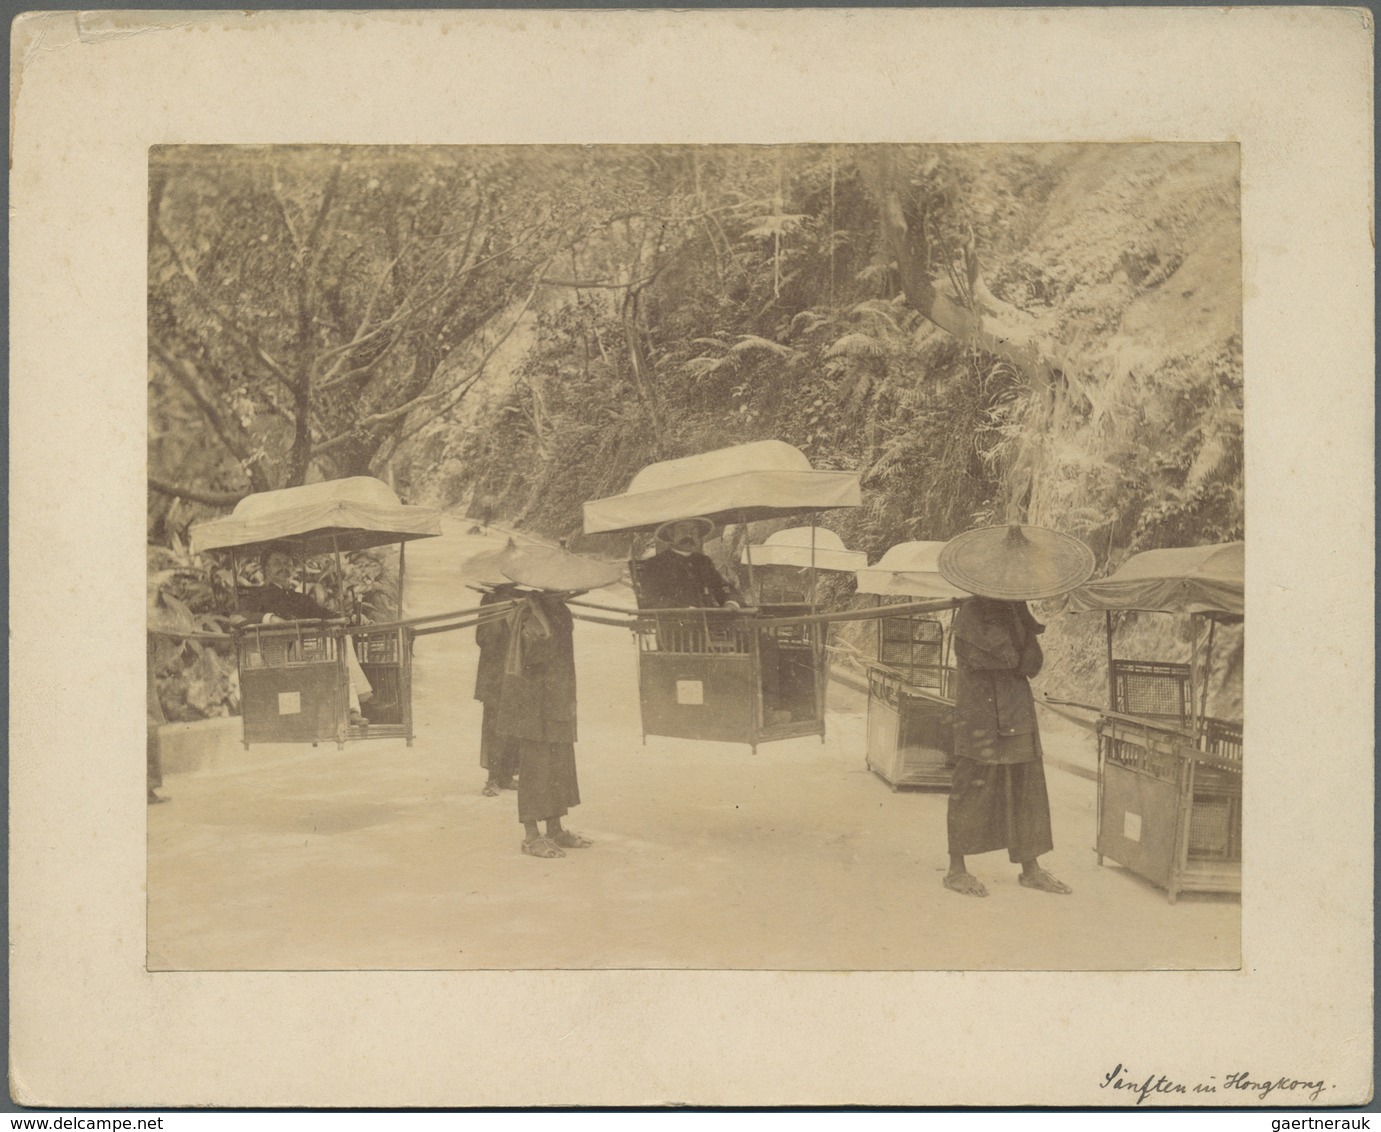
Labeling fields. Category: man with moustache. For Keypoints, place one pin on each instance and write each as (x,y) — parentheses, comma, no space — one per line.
(680,575)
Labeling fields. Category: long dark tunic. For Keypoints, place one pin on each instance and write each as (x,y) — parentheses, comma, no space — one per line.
(997,796)
(537,709)
(996,651)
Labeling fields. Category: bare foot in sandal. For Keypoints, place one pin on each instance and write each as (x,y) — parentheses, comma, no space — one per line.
(1037,878)
(542,847)
(569,840)
(966,884)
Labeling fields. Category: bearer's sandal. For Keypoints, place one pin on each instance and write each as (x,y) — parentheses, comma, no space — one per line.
(491,790)
(542,847)
(966,884)
(569,840)
(1043,882)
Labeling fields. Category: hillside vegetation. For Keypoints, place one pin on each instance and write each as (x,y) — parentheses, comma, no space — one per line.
(1050,333)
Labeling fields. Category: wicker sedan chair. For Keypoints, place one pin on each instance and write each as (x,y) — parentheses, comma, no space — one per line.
(910,699)
(720,674)
(1170,775)
(294,675)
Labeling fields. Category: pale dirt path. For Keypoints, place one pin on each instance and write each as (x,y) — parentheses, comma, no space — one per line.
(383,856)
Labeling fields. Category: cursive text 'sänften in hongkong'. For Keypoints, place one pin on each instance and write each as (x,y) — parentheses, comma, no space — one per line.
(1160,1085)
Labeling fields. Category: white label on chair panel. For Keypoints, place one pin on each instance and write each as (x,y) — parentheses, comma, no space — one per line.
(289,703)
(690,692)
(1131,826)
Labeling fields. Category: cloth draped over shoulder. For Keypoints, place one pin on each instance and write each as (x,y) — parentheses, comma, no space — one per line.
(538,698)
(492,638)
(996,650)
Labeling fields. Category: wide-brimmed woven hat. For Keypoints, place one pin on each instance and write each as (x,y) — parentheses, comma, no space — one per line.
(1016,562)
(552,568)
(664,531)
(484,569)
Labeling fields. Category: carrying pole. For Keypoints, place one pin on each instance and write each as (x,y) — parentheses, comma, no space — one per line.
(402,572)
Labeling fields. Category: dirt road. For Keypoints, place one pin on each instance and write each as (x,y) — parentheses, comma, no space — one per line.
(705,856)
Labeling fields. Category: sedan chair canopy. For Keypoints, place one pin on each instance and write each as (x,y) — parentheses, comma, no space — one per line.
(346,514)
(1206,580)
(909,569)
(805,547)
(766,479)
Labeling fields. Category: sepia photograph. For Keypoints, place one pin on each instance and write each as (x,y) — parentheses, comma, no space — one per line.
(691,559)
(846,528)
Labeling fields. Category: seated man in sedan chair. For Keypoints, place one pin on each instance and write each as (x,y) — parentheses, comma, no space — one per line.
(276,600)
(682,576)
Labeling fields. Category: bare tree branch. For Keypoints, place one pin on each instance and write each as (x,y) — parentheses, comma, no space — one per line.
(188,380)
(248,339)
(463,386)
(210,498)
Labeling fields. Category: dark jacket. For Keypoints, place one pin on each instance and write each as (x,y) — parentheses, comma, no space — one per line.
(287,604)
(669,580)
(538,700)
(996,649)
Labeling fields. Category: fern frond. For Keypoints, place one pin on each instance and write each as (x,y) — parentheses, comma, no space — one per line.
(748,343)
(857,345)
(703,367)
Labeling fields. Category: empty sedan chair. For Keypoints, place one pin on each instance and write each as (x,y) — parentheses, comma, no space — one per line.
(732,673)
(1169,772)
(301,672)
(910,699)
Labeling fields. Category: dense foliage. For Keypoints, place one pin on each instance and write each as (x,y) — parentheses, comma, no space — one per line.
(985,332)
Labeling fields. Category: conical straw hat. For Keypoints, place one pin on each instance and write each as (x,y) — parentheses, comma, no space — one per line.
(1015,562)
(484,567)
(552,568)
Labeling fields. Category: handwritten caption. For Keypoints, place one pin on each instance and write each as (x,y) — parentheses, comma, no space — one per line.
(1159,1085)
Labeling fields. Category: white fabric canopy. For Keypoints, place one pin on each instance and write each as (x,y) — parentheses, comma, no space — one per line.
(353,514)
(909,569)
(1193,579)
(792,547)
(762,480)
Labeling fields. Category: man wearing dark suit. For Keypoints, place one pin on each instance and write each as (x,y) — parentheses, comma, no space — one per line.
(680,575)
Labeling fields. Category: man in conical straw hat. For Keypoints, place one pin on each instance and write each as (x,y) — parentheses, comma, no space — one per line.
(537,706)
(998,797)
